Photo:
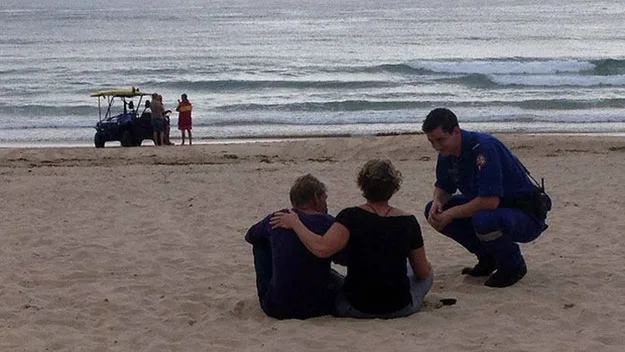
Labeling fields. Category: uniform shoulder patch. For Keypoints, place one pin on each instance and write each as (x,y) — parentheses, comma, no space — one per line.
(480,161)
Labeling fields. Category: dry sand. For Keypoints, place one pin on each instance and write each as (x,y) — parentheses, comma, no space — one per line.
(141,249)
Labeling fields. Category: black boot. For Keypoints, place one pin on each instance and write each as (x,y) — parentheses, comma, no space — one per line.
(484,267)
(505,278)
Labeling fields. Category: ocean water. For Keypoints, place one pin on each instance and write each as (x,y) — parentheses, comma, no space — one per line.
(266,68)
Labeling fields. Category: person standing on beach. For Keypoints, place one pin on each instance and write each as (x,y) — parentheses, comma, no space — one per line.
(184,117)
(498,204)
(158,120)
(167,127)
(291,282)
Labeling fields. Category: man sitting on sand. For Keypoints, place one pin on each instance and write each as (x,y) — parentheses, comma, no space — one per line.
(291,281)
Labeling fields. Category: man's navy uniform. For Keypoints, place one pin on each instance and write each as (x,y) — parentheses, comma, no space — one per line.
(487,168)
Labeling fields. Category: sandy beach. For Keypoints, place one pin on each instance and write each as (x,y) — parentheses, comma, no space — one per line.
(141,249)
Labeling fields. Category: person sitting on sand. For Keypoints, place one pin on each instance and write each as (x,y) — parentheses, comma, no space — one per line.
(378,239)
(291,282)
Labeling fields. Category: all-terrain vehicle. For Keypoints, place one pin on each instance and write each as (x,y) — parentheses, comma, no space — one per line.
(129,127)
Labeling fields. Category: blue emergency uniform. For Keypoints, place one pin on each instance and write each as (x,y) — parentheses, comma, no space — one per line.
(487,168)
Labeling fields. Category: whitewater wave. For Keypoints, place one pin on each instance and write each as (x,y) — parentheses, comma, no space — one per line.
(335,106)
(486,67)
(520,66)
(558,81)
(366,105)
(238,85)
(347,77)
(356,119)
(494,81)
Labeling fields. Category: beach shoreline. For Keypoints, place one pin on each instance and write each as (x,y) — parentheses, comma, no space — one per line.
(206,134)
(142,249)
(282,138)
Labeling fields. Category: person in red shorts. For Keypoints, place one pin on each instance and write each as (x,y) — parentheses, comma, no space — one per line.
(184,117)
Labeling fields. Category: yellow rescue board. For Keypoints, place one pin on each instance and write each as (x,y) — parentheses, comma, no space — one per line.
(128,93)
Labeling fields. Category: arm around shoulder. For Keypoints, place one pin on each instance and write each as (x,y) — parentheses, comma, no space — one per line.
(324,246)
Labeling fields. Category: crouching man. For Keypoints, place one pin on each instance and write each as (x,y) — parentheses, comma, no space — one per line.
(498,205)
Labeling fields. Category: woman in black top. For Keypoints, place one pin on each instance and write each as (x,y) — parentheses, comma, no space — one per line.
(378,239)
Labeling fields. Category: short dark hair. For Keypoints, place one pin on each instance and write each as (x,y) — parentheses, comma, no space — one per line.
(440,117)
(305,189)
(379,180)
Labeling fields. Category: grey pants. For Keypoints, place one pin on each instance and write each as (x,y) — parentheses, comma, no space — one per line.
(418,289)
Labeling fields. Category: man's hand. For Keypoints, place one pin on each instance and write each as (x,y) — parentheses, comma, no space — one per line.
(439,220)
(437,208)
(284,220)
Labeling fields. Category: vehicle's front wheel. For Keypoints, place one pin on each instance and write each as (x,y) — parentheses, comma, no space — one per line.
(98,140)
(126,139)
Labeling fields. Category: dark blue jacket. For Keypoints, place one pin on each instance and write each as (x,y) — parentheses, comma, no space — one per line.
(300,282)
(485,168)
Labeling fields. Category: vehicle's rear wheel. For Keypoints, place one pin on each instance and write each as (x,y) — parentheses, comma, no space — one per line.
(126,139)
(98,140)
